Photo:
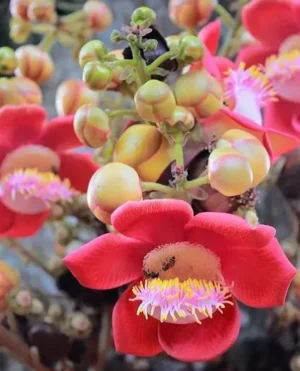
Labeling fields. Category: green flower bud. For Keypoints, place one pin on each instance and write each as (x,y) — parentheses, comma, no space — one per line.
(144,15)
(96,75)
(191,49)
(93,50)
(116,36)
(8,61)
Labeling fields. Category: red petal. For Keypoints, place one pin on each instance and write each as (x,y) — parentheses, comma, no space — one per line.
(26,225)
(108,261)
(20,125)
(210,35)
(78,168)
(59,134)
(261,19)
(7,219)
(155,221)
(254,54)
(195,343)
(134,334)
(250,258)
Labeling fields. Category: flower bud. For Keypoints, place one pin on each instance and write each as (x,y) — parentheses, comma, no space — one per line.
(8,61)
(145,149)
(91,125)
(191,49)
(71,95)
(28,90)
(110,187)
(189,13)
(42,11)
(173,41)
(93,50)
(96,75)
(19,30)
(9,279)
(20,301)
(229,172)
(19,8)
(78,325)
(9,93)
(143,15)
(183,118)
(199,92)
(34,63)
(99,15)
(252,149)
(154,101)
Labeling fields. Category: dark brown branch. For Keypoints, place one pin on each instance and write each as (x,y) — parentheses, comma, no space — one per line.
(104,343)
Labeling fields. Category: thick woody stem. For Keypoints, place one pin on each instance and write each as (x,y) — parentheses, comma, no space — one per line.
(20,350)
(104,339)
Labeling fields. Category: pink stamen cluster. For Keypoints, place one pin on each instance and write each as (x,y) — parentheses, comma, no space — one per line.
(252,79)
(180,300)
(284,66)
(31,183)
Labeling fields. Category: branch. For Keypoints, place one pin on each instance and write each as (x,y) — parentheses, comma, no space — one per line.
(104,339)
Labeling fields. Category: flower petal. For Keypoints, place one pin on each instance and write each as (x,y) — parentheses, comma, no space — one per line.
(108,261)
(195,343)
(20,125)
(27,225)
(251,258)
(210,35)
(134,334)
(261,17)
(59,134)
(154,221)
(78,168)
(7,218)
(224,64)
(254,54)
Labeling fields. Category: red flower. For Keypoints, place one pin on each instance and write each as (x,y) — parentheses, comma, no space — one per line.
(170,255)
(27,141)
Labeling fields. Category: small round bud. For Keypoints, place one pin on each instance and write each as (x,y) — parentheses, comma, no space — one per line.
(34,63)
(110,187)
(183,118)
(199,92)
(145,149)
(55,311)
(8,61)
(191,49)
(9,93)
(173,41)
(116,36)
(143,15)
(229,172)
(93,50)
(28,90)
(20,301)
(19,30)
(42,11)
(155,101)
(19,9)
(99,15)
(96,75)
(71,95)
(91,125)
(37,307)
(79,325)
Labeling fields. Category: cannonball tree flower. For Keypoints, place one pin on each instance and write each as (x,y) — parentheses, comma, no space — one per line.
(37,168)
(186,272)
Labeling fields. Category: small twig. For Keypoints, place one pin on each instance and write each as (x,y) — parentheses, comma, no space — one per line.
(20,350)
(104,339)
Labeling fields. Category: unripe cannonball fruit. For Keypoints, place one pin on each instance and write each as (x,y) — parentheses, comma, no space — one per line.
(96,75)
(110,187)
(93,50)
(155,101)
(91,125)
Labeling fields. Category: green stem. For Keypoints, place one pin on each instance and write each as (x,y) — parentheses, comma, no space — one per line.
(140,66)
(179,157)
(122,112)
(74,17)
(123,63)
(151,186)
(192,184)
(47,41)
(162,58)
(225,15)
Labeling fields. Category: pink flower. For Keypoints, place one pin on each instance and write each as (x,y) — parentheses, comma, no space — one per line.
(186,271)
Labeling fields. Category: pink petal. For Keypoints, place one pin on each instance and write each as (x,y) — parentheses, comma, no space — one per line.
(108,261)
(251,258)
(134,334)
(210,35)
(157,222)
(20,125)
(195,343)
(254,54)
(78,168)
(224,64)
(26,225)
(59,134)
(261,19)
